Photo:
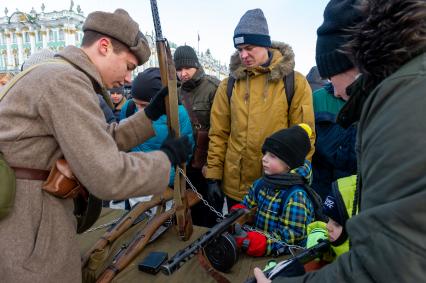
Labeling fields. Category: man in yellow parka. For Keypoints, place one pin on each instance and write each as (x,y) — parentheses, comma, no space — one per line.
(256,108)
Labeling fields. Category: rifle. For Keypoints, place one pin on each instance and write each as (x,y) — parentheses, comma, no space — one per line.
(128,252)
(168,78)
(303,257)
(204,240)
(124,223)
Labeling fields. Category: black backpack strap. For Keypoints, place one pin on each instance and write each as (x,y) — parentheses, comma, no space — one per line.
(131,107)
(289,87)
(229,87)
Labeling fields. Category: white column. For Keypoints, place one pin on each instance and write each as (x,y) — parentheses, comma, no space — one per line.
(2,57)
(19,41)
(32,40)
(45,36)
(70,35)
(9,54)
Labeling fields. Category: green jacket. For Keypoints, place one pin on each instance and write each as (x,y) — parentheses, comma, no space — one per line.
(200,91)
(388,234)
(326,102)
(258,107)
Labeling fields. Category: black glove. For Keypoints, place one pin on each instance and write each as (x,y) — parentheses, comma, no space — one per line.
(214,194)
(177,150)
(156,106)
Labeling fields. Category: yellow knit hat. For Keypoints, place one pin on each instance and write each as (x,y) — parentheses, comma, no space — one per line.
(307,129)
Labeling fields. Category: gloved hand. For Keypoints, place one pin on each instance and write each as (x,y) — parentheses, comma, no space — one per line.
(317,232)
(237,206)
(157,107)
(214,193)
(177,150)
(254,242)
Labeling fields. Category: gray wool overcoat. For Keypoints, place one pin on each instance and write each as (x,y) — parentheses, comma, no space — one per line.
(52,112)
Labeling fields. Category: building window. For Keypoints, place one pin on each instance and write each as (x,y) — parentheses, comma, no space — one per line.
(53,35)
(61,34)
(13,37)
(39,37)
(26,37)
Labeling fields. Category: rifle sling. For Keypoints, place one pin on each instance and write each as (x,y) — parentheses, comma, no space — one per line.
(204,262)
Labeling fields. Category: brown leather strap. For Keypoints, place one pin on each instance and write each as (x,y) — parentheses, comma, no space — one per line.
(31,174)
(204,262)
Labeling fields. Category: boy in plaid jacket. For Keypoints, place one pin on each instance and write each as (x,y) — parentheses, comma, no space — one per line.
(284,208)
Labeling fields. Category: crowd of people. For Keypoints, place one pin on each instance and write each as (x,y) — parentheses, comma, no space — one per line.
(335,157)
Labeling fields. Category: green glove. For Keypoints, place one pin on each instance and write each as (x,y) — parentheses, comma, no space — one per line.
(316,231)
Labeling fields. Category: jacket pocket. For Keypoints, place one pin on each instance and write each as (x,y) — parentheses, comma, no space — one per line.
(39,254)
(201,111)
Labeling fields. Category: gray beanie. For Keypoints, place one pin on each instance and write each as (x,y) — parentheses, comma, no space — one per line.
(252,29)
(185,57)
(120,26)
(37,57)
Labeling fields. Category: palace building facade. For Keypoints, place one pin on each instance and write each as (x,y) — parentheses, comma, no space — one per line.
(22,34)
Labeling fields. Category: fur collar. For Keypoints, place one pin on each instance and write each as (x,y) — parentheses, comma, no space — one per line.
(282,62)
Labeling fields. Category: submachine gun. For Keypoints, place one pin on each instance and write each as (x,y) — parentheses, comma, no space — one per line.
(220,258)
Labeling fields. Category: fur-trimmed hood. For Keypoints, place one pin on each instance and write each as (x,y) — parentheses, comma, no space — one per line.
(278,68)
(393,33)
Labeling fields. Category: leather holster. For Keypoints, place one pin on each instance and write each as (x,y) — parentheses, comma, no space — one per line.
(61,181)
(199,158)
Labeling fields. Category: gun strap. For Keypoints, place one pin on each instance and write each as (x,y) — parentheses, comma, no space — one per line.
(204,262)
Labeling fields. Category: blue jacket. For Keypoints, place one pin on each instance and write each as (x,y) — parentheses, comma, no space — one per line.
(334,155)
(161,132)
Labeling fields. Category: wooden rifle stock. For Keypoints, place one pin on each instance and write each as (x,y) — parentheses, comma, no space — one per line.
(169,79)
(124,223)
(142,238)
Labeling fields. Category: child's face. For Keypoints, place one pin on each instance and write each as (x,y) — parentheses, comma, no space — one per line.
(273,165)
(334,230)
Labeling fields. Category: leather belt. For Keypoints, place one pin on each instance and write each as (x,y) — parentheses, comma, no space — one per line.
(204,262)
(31,174)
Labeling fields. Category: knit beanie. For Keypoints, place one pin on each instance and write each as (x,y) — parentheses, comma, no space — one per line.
(38,57)
(119,90)
(185,57)
(146,84)
(339,16)
(252,29)
(334,207)
(291,145)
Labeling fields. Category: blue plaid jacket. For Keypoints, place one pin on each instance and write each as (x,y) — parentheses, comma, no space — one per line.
(282,212)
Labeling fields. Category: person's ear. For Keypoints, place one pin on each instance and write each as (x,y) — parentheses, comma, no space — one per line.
(104,46)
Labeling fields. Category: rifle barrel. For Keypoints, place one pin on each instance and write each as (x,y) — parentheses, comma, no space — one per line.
(156,20)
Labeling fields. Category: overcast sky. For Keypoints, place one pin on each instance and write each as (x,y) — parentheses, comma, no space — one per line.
(291,21)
